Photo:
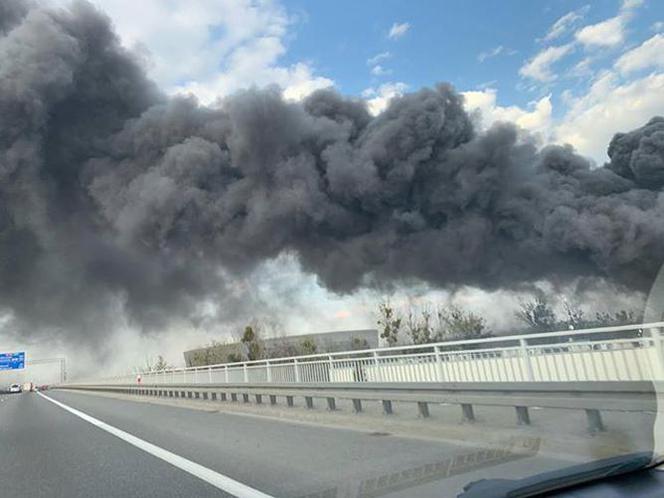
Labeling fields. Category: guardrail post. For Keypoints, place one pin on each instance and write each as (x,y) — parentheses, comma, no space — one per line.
(331,404)
(656,336)
(273,399)
(439,363)
(329,377)
(289,400)
(423,409)
(223,396)
(259,399)
(522,415)
(595,423)
(297,371)
(526,360)
(467,412)
(233,396)
(378,375)
(246,374)
(387,407)
(357,405)
(245,398)
(309,402)
(269,371)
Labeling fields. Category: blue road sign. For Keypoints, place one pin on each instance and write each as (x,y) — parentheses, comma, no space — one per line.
(12,361)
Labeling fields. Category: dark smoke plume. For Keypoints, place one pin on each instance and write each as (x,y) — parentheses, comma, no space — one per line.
(117,199)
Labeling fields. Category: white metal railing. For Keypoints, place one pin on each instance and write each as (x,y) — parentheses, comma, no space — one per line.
(629,352)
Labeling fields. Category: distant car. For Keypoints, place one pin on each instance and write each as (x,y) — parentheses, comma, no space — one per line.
(15,388)
(43,387)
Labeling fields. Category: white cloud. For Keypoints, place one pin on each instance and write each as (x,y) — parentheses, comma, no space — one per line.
(647,55)
(536,119)
(300,82)
(583,68)
(610,32)
(379,98)
(490,53)
(297,81)
(211,47)
(398,29)
(565,23)
(605,34)
(657,26)
(379,70)
(631,4)
(610,107)
(539,67)
(372,61)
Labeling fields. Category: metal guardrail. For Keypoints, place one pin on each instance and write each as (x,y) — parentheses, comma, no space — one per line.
(629,352)
(592,397)
(595,370)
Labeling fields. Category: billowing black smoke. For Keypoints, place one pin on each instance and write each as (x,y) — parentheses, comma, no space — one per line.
(117,199)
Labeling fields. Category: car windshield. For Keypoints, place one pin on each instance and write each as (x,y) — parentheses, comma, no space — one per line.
(285,248)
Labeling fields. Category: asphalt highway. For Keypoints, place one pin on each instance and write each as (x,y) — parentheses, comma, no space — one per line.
(93,446)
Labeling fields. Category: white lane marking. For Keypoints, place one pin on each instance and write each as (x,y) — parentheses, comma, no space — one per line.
(208,475)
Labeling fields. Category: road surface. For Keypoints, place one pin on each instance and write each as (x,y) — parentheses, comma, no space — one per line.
(48,451)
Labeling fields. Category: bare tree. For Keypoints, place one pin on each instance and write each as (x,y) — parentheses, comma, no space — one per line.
(389,323)
(456,323)
(622,317)
(211,354)
(157,364)
(574,316)
(536,314)
(419,324)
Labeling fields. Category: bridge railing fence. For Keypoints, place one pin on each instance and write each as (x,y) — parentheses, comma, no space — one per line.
(629,352)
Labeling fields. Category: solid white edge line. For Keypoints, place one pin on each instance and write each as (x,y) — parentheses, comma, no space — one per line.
(208,475)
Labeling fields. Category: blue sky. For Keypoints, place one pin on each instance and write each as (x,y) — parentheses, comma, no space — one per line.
(446,40)
(567,71)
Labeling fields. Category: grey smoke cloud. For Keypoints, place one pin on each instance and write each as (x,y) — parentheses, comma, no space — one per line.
(116,200)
